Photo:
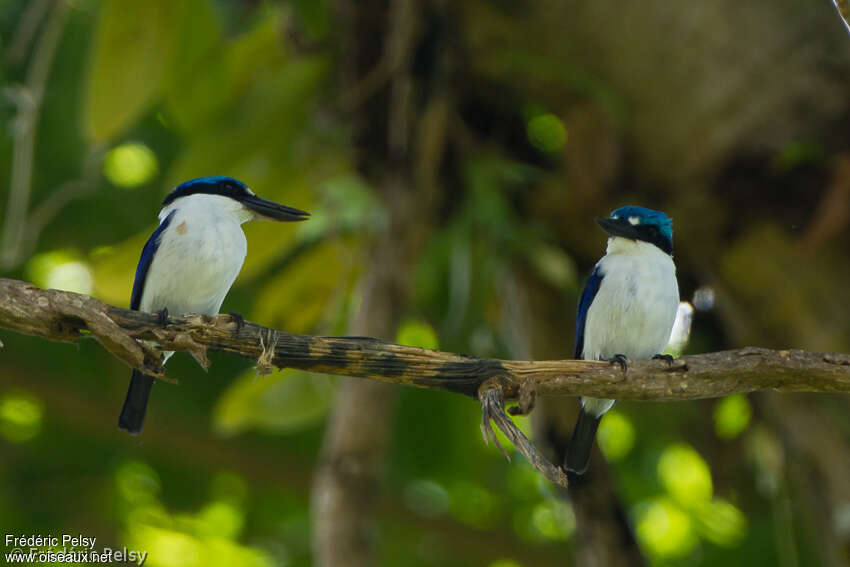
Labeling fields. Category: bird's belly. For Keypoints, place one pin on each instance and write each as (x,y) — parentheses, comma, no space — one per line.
(633,320)
(192,273)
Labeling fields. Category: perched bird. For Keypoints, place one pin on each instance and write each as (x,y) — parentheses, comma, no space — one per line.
(626,310)
(191,260)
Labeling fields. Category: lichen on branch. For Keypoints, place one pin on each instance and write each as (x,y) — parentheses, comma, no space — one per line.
(68,317)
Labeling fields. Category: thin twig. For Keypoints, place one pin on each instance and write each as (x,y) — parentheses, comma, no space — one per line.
(25,32)
(28,99)
(493,409)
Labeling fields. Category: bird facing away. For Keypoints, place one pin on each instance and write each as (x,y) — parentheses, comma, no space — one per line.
(191,260)
(627,308)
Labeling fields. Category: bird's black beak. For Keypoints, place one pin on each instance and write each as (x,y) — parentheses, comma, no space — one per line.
(619,227)
(274,211)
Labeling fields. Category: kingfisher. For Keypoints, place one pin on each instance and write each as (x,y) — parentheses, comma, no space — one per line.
(627,308)
(191,260)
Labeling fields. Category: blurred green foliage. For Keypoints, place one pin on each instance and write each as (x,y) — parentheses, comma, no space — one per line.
(731,416)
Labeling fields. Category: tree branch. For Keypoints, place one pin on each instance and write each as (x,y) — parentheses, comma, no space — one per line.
(68,317)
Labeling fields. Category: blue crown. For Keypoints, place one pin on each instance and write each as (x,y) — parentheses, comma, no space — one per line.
(646,217)
(213,185)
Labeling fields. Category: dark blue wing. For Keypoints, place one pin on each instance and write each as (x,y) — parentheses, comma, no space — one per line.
(590,289)
(145,262)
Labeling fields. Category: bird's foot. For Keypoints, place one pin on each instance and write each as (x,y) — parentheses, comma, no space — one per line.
(665,357)
(163,316)
(619,359)
(238,319)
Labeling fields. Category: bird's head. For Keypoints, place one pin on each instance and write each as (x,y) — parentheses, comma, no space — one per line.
(640,223)
(234,196)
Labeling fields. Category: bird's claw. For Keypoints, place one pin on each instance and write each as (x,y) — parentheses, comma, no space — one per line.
(621,360)
(665,357)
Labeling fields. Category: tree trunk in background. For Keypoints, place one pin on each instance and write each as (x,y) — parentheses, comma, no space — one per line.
(603,536)
(347,484)
(817,463)
(398,109)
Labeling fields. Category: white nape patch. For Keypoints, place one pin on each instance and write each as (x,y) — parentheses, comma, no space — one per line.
(634,221)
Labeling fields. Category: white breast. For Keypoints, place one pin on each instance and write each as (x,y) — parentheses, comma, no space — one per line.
(199,256)
(634,309)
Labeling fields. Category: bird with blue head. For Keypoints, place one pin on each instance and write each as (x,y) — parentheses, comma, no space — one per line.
(626,310)
(192,259)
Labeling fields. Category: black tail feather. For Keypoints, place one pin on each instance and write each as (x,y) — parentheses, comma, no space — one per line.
(136,403)
(581,444)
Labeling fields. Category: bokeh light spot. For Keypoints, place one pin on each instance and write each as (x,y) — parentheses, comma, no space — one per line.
(685,475)
(616,436)
(546,132)
(137,482)
(167,548)
(664,529)
(722,523)
(427,498)
(221,519)
(732,416)
(553,519)
(417,333)
(130,165)
(704,298)
(61,269)
(505,563)
(21,416)
(473,504)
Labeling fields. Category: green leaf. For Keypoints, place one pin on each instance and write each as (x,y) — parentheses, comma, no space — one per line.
(198,81)
(260,127)
(310,292)
(114,267)
(135,44)
(285,401)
